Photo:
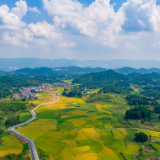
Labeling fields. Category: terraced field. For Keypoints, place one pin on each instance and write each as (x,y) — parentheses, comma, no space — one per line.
(73,129)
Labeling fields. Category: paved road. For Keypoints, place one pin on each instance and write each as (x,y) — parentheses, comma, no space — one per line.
(32,148)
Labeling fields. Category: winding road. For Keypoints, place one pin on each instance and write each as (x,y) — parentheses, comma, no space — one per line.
(32,148)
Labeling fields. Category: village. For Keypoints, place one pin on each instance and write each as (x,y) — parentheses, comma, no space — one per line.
(31,91)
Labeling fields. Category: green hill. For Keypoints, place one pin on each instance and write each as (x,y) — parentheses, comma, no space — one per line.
(101,78)
(62,70)
(129,70)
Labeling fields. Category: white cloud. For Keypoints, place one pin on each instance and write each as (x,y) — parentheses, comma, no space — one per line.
(97,20)
(44,30)
(34,9)
(9,20)
(18,33)
(134,29)
(21,9)
(11,40)
(141,15)
(67,44)
(63,8)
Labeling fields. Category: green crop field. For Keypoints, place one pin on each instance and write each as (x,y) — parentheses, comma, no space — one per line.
(10,145)
(73,129)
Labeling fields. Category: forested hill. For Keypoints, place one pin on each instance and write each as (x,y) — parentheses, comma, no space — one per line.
(145,79)
(63,70)
(128,70)
(9,82)
(107,77)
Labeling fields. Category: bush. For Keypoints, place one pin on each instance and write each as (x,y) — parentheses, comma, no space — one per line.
(12,120)
(1,133)
(138,113)
(141,137)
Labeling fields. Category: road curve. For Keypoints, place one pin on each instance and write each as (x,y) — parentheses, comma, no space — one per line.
(32,148)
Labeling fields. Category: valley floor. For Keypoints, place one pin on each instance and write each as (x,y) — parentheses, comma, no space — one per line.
(72,129)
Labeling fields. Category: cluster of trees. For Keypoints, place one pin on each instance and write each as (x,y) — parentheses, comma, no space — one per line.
(1,134)
(141,137)
(157,109)
(144,79)
(98,98)
(139,112)
(7,108)
(5,93)
(139,100)
(7,84)
(99,79)
(152,92)
(12,120)
(116,90)
(74,92)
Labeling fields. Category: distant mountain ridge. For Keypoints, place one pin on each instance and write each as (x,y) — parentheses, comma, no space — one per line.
(8,64)
(60,70)
(128,70)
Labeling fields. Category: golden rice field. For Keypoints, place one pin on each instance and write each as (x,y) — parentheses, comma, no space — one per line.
(70,129)
(10,145)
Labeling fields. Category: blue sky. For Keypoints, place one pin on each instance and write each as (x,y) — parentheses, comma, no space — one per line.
(83,29)
(30,18)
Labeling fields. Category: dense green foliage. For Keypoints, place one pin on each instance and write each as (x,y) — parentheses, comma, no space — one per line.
(60,70)
(75,91)
(7,84)
(7,108)
(1,134)
(72,94)
(128,70)
(144,79)
(42,154)
(117,90)
(51,75)
(99,97)
(140,100)
(12,120)
(138,113)
(141,137)
(152,92)
(157,109)
(108,77)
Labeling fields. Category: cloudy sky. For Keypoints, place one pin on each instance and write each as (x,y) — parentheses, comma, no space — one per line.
(82,29)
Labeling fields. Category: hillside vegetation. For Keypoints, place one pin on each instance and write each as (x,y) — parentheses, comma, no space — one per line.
(102,78)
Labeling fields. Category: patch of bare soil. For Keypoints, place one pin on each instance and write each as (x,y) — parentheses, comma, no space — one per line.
(22,141)
(150,127)
(149,150)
